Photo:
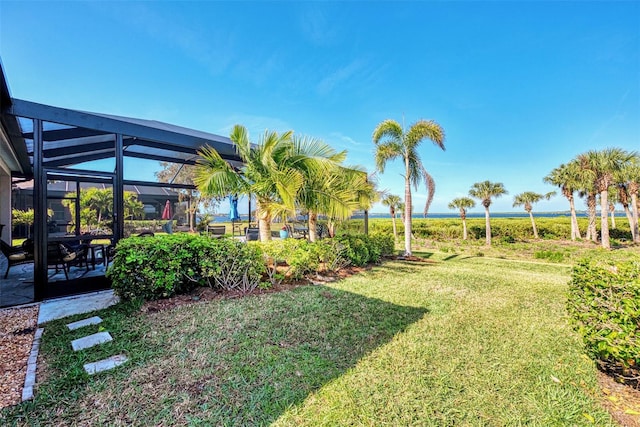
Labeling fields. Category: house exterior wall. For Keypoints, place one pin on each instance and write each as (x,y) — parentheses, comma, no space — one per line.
(5,207)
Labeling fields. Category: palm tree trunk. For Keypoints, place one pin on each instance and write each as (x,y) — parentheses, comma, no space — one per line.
(629,215)
(575,230)
(395,230)
(634,209)
(604,221)
(487,224)
(407,209)
(331,227)
(612,214)
(264,222)
(533,224)
(464,229)
(592,233)
(313,226)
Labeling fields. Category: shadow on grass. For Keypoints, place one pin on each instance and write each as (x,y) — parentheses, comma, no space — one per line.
(303,340)
(246,363)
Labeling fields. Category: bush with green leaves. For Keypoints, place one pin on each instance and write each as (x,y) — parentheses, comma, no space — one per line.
(604,303)
(295,258)
(331,253)
(165,265)
(361,249)
(153,268)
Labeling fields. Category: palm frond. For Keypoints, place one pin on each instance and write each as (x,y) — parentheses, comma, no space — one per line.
(385,152)
(388,130)
(431,190)
(214,176)
(425,129)
(240,137)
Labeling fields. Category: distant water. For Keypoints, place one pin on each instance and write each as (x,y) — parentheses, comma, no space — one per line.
(477,215)
(372,215)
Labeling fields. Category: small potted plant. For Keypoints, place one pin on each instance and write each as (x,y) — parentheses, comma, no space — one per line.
(284,233)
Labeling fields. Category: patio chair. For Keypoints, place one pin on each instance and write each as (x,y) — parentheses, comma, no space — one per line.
(216,231)
(252,233)
(62,256)
(17,254)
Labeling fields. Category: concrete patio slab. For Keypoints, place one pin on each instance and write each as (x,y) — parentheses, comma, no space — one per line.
(77,304)
(105,364)
(84,322)
(91,340)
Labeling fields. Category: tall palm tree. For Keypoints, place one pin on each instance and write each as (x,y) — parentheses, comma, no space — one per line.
(268,173)
(566,176)
(462,203)
(321,192)
(393,142)
(484,191)
(589,193)
(393,202)
(629,178)
(527,199)
(602,166)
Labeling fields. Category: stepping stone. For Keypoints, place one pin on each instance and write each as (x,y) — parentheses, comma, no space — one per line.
(91,340)
(85,322)
(105,364)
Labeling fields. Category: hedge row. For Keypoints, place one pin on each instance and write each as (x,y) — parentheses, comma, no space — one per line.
(165,265)
(510,228)
(604,303)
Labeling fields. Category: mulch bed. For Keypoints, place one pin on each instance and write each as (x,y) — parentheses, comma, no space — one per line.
(17,328)
(622,401)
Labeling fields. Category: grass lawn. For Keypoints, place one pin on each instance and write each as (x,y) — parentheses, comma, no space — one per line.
(454,341)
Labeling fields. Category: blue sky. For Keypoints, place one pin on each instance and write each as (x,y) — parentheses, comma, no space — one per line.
(519,87)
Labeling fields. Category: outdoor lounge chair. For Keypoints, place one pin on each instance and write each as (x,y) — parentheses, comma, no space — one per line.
(216,231)
(62,256)
(17,254)
(252,233)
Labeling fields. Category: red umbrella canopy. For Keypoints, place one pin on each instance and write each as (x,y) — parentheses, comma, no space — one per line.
(166,213)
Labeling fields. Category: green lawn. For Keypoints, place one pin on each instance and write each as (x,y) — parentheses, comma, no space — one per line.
(457,341)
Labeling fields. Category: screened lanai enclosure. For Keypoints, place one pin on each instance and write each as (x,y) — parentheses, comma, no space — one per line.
(51,158)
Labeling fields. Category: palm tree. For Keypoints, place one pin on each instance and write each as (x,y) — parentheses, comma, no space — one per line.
(462,203)
(268,174)
(589,192)
(393,202)
(132,206)
(485,191)
(328,188)
(527,199)
(602,166)
(629,179)
(393,142)
(566,176)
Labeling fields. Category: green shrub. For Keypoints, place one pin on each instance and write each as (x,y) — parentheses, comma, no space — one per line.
(153,268)
(554,256)
(604,303)
(332,254)
(227,264)
(384,241)
(355,248)
(165,265)
(300,256)
(361,249)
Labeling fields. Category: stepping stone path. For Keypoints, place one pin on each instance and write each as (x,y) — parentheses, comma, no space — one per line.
(86,322)
(93,340)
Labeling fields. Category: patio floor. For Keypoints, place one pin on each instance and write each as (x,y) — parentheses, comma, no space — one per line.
(17,288)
